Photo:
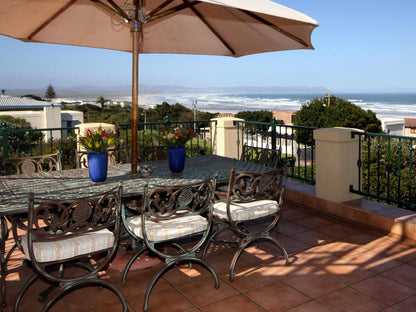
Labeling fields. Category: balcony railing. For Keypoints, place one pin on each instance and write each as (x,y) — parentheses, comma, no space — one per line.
(149,135)
(385,163)
(32,142)
(295,143)
(387,167)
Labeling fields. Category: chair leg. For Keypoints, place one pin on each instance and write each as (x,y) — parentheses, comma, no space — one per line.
(283,249)
(179,247)
(237,254)
(212,239)
(23,291)
(210,269)
(152,283)
(87,282)
(130,263)
(248,242)
(170,265)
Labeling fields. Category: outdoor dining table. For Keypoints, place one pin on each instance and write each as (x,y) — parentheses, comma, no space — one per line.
(15,189)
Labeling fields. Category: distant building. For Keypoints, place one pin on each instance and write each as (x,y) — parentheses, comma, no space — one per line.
(410,127)
(222,115)
(393,126)
(40,114)
(286,116)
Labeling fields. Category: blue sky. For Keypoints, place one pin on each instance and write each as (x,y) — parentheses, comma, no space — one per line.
(360,46)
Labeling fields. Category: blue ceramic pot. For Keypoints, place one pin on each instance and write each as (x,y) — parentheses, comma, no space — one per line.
(97,166)
(176,158)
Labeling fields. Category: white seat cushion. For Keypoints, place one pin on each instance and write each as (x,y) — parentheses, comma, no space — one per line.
(168,229)
(246,211)
(70,247)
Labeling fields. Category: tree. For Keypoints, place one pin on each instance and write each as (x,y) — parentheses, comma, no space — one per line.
(101,100)
(337,113)
(50,92)
(260,116)
(32,96)
(19,141)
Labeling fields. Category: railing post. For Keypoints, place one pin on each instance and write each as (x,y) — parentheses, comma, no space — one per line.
(5,140)
(224,142)
(274,134)
(336,158)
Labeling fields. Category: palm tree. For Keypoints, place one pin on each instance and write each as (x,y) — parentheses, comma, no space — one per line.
(102,101)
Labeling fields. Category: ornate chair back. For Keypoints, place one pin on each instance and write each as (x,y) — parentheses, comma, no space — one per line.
(115,156)
(270,157)
(31,164)
(149,153)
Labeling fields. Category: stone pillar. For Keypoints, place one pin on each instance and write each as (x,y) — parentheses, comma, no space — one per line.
(52,119)
(336,163)
(224,137)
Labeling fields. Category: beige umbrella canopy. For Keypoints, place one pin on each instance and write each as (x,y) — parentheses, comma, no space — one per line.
(208,27)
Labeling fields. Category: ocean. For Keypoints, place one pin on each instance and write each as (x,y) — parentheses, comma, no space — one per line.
(400,105)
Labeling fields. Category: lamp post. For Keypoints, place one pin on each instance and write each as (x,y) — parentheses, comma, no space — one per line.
(145,117)
(194,102)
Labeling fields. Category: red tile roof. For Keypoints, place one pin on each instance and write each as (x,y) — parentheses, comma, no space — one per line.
(410,122)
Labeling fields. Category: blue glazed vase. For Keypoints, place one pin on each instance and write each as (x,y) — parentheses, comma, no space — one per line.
(176,156)
(97,166)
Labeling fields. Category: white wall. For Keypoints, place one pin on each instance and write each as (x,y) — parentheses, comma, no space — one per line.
(393,126)
(49,117)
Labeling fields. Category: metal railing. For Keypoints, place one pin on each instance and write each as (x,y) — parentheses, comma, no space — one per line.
(295,143)
(149,135)
(386,169)
(32,142)
(385,163)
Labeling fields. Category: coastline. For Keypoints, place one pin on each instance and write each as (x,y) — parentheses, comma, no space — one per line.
(387,105)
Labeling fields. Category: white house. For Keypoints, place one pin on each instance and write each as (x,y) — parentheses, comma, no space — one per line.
(40,114)
(393,126)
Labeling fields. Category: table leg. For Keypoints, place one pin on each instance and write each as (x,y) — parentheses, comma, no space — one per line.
(4,235)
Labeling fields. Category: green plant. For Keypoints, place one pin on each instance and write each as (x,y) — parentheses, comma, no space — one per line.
(97,141)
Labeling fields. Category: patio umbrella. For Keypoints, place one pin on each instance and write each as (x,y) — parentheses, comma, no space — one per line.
(209,27)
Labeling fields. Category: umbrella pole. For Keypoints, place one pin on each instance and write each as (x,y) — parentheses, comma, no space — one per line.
(135,100)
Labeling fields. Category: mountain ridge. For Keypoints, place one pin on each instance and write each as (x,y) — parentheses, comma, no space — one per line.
(92,92)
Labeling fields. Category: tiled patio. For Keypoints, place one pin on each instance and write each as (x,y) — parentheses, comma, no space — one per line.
(336,266)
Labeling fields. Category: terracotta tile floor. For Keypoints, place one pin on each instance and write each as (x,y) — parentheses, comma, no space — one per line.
(335,266)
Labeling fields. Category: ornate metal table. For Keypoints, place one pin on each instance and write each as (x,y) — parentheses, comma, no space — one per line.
(14,190)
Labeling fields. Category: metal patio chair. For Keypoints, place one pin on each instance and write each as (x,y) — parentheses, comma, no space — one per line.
(251,197)
(78,232)
(270,157)
(31,164)
(149,153)
(250,154)
(115,156)
(23,165)
(174,223)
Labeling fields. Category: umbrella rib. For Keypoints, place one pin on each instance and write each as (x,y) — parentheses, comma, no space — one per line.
(282,31)
(47,22)
(173,10)
(161,6)
(115,6)
(212,29)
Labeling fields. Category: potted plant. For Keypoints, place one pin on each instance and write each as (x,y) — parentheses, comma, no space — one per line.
(175,139)
(96,143)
